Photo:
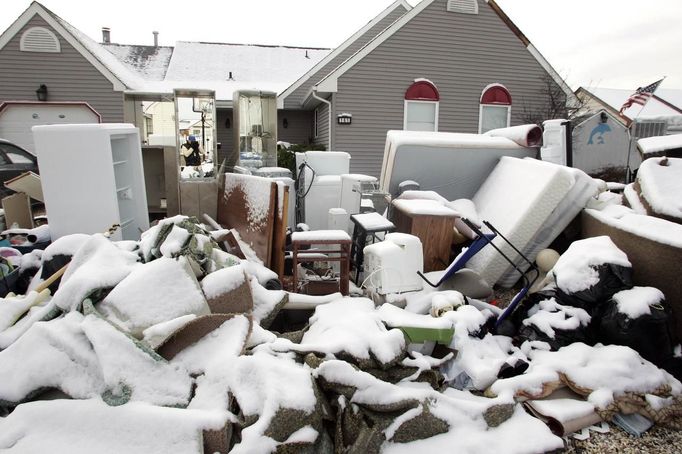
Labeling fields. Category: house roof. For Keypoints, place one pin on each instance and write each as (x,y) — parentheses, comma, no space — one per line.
(150,62)
(342,47)
(188,65)
(329,83)
(614,98)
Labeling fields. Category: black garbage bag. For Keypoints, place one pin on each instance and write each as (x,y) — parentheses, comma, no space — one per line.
(612,279)
(562,337)
(651,335)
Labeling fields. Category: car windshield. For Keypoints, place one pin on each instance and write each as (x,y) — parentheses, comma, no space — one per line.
(15,154)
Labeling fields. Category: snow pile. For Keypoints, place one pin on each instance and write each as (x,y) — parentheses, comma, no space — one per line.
(155,292)
(98,264)
(575,270)
(87,426)
(636,301)
(660,180)
(549,315)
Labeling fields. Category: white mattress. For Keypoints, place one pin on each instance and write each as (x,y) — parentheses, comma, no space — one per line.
(452,164)
(518,198)
(583,187)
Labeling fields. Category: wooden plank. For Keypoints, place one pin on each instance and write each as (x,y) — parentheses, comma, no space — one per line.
(28,183)
(247,205)
(280,230)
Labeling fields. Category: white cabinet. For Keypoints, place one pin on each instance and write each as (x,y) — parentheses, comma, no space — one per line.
(92,177)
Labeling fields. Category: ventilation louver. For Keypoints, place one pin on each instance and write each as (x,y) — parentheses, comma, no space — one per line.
(463,6)
(39,39)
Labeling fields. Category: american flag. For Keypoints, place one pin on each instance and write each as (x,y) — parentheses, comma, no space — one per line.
(641,96)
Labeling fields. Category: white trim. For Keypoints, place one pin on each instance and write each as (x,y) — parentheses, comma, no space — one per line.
(37,9)
(571,100)
(343,46)
(480,114)
(56,46)
(330,82)
(436,113)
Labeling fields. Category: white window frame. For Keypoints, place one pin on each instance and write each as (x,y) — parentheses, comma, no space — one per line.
(480,114)
(406,101)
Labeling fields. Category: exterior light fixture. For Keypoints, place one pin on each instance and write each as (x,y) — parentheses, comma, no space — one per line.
(41,92)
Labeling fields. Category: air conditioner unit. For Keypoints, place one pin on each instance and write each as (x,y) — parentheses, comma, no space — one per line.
(391,265)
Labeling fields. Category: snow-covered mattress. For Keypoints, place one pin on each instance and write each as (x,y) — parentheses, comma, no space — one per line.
(518,198)
(452,164)
(583,187)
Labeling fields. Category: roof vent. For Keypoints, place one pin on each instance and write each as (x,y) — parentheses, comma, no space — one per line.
(463,6)
(39,39)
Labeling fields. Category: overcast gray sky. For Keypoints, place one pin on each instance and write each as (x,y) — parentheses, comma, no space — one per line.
(603,43)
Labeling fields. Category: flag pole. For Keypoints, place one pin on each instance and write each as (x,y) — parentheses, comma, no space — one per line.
(634,121)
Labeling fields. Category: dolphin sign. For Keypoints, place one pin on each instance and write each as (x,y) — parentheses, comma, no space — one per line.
(598,132)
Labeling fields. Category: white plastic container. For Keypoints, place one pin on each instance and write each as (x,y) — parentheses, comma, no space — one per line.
(554,142)
(391,265)
(324,194)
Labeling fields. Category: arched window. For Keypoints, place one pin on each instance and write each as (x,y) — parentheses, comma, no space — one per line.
(421,106)
(39,39)
(495,108)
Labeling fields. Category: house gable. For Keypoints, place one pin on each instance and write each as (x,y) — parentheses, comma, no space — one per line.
(56,25)
(68,75)
(329,84)
(461,54)
(294,96)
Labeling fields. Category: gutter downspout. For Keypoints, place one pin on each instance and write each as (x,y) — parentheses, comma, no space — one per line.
(329,106)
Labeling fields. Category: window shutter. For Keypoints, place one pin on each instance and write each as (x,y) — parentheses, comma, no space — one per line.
(463,6)
(39,39)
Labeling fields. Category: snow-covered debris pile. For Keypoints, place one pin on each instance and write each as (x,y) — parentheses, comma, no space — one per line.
(162,345)
(659,185)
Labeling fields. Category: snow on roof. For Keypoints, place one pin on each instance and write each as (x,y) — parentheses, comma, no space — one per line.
(209,65)
(615,97)
(120,70)
(661,143)
(670,95)
(150,62)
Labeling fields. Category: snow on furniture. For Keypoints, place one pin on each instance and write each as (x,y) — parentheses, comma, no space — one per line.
(670,146)
(518,198)
(659,185)
(582,189)
(452,164)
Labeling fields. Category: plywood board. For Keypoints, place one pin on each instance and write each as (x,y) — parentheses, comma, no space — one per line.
(247,204)
(28,183)
(18,210)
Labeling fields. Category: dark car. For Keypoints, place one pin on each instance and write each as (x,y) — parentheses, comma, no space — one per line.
(14,161)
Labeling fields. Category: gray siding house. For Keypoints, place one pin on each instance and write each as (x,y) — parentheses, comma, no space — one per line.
(460,47)
(446,65)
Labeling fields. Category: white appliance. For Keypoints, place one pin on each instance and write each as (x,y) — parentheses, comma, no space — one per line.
(351,193)
(391,265)
(320,185)
(554,142)
(92,177)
